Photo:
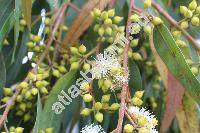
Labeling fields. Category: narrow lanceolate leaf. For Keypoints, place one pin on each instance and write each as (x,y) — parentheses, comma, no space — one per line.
(173,58)
(83,20)
(174,89)
(187,116)
(38,117)
(26,10)
(16,27)
(6,27)
(2,74)
(135,82)
(48,117)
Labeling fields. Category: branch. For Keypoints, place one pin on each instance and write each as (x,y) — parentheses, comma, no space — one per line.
(175,24)
(125,65)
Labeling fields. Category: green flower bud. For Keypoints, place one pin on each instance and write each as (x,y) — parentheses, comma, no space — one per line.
(38,84)
(44,90)
(62,69)
(28,95)
(142,121)
(96,12)
(108,22)
(121,29)
(23,85)
(19,130)
(56,73)
(7,91)
(193,5)
(22,106)
(19,113)
(74,50)
(12,129)
(105,98)
(109,31)
(98,106)
(99,117)
(129,54)
(5,42)
(86,112)
(134,18)
(181,43)
(147,4)
(188,14)
(107,83)
(114,106)
(82,49)
(47,21)
(96,27)
(74,66)
(111,13)
(22,22)
(184,25)
(176,33)
(5,99)
(86,67)
(189,61)
(100,82)
(157,21)
(194,70)
(134,42)
(27,117)
(136,56)
(104,15)
(197,10)
(147,29)
(19,98)
(34,91)
(183,9)
(87,98)
(36,38)
(64,28)
(31,76)
(29,105)
(49,130)
(136,101)
(143,130)
(101,31)
(195,21)
(117,19)
(41,131)
(128,128)
(47,30)
(139,94)
(30,44)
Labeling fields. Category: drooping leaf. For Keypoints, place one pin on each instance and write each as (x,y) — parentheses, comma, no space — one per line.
(83,20)
(2,74)
(175,91)
(187,116)
(16,27)
(26,10)
(38,117)
(173,58)
(48,116)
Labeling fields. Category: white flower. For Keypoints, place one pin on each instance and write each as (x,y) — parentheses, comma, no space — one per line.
(103,64)
(152,122)
(92,128)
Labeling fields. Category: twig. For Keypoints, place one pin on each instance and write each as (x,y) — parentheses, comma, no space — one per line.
(74,7)
(175,24)
(125,65)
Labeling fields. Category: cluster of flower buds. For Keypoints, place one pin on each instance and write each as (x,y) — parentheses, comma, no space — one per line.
(107,24)
(47,130)
(15,130)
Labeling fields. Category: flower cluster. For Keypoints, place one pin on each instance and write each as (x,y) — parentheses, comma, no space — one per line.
(92,128)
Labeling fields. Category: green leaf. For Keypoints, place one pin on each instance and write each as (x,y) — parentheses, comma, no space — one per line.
(135,82)
(16,27)
(38,117)
(48,116)
(2,74)
(26,9)
(174,59)
(7,26)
